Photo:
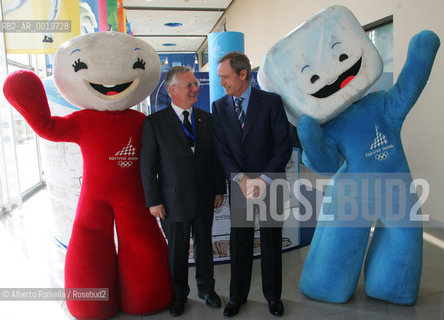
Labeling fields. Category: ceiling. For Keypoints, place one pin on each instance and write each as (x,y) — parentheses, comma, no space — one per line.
(192,20)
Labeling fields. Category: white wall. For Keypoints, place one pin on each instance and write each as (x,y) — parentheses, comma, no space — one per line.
(264,22)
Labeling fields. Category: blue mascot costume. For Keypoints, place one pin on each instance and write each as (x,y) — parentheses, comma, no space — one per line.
(329,65)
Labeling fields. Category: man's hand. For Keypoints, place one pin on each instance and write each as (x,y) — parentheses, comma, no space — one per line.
(158,211)
(255,188)
(252,188)
(243,185)
(218,200)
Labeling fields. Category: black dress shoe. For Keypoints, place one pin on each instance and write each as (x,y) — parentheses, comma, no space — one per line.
(232,309)
(276,307)
(177,307)
(211,299)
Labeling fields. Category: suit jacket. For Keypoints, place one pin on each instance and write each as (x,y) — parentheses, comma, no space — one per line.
(172,175)
(263,146)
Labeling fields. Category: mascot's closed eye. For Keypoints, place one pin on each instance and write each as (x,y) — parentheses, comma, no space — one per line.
(139,64)
(79,65)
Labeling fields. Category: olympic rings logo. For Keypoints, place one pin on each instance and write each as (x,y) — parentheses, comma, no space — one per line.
(125,164)
(381,156)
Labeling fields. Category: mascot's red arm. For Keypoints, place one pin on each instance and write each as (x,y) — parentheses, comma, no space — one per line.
(25,91)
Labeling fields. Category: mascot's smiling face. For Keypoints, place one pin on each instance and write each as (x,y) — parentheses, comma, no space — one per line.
(322,67)
(106,71)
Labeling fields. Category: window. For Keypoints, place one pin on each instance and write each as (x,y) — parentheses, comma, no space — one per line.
(381,34)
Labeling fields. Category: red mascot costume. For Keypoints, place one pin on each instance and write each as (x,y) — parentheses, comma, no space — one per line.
(105,73)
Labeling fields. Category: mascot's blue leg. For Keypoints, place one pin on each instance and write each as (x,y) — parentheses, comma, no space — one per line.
(333,264)
(394,263)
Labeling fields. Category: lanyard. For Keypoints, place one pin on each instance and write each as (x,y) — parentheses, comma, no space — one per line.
(192,125)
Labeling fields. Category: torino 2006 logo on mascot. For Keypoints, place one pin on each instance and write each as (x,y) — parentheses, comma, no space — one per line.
(380,148)
(126,156)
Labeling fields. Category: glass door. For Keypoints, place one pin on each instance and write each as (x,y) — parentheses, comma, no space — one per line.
(25,140)
(28,156)
(21,152)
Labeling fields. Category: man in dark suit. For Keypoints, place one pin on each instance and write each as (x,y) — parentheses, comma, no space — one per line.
(183,183)
(253,143)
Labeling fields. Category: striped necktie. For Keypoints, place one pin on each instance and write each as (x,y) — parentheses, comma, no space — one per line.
(239,112)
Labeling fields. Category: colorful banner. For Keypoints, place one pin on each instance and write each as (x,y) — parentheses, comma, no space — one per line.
(121,16)
(111,11)
(32,26)
(103,16)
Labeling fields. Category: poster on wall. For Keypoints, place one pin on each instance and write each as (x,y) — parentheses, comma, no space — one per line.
(89,16)
(63,165)
(39,26)
(159,99)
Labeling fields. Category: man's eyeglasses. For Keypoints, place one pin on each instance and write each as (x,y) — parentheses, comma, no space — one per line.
(189,85)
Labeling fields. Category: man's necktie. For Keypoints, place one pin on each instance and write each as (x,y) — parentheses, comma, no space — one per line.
(239,112)
(188,127)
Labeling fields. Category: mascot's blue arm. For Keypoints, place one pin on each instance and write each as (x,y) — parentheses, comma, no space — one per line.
(414,75)
(319,155)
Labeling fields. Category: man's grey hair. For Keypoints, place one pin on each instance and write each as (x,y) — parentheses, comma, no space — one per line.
(170,77)
(238,61)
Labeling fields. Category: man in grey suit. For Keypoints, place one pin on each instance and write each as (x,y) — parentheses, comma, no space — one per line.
(183,183)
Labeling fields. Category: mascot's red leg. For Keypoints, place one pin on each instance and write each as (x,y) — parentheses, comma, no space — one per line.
(144,278)
(91,261)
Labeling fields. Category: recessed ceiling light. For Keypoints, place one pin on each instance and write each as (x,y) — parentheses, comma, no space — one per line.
(173,24)
(169,44)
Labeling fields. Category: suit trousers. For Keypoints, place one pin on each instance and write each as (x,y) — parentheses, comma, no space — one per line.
(178,236)
(241,253)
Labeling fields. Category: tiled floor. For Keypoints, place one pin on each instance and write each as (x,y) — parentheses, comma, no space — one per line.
(29,258)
